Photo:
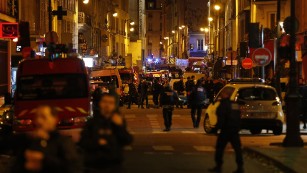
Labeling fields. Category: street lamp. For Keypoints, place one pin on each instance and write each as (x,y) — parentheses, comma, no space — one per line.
(173,31)
(132,23)
(131,29)
(115,14)
(217,7)
(86,1)
(210,19)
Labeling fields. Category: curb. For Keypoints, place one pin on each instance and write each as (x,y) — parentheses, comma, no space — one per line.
(269,160)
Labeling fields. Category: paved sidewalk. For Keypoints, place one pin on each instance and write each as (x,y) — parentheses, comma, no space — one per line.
(288,160)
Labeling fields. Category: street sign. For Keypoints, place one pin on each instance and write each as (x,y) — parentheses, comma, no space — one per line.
(247,63)
(8,30)
(262,57)
(59,13)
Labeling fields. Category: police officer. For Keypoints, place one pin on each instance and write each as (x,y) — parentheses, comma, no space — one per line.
(133,94)
(167,102)
(156,90)
(197,98)
(228,114)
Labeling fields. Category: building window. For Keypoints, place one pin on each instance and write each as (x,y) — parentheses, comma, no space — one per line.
(200,44)
(151,5)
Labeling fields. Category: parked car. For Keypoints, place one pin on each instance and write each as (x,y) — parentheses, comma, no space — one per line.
(260,107)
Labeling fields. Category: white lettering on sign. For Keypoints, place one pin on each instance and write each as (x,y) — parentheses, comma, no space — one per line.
(261,59)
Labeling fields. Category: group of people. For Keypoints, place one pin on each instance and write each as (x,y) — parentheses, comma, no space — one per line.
(100,148)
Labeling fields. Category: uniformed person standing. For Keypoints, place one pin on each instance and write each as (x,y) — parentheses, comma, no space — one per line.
(167,102)
(228,114)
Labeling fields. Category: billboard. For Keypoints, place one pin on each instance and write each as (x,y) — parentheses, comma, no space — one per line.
(8,30)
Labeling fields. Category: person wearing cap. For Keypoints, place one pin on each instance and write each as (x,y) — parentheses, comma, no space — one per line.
(104,136)
(45,150)
(228,114)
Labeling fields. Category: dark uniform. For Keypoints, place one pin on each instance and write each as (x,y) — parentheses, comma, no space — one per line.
(197,98)
(228,114)
(59,154)
(156,90)
(167,102)
(143,90)
(133,94)
(105,158)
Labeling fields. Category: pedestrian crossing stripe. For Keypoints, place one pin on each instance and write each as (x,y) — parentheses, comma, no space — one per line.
(163,148)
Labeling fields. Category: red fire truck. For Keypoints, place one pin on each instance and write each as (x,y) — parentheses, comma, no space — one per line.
(62,83)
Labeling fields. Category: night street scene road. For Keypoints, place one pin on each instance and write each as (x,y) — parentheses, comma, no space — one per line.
(153,86)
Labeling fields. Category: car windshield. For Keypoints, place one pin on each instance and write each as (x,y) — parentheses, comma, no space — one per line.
(126,77)
(257,94)
(105,80)
(58,86)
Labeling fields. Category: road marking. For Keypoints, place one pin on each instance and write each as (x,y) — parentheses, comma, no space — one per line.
(163,148)
(176,116)
(204,148)
(168,153)
(158,132)
(189,132)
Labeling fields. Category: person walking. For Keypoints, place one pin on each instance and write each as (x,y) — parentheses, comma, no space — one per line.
(209,86)
(104,137)
(197,98)
(156,90)
(133,94)
(189,85)
(179,87)
(143,90)
(228,114)
(167,102)
(45,150)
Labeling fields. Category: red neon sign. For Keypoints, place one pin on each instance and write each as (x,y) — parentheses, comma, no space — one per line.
(8,30)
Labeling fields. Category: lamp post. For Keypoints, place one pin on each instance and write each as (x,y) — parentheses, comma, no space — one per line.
(293,138)
(217,39)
